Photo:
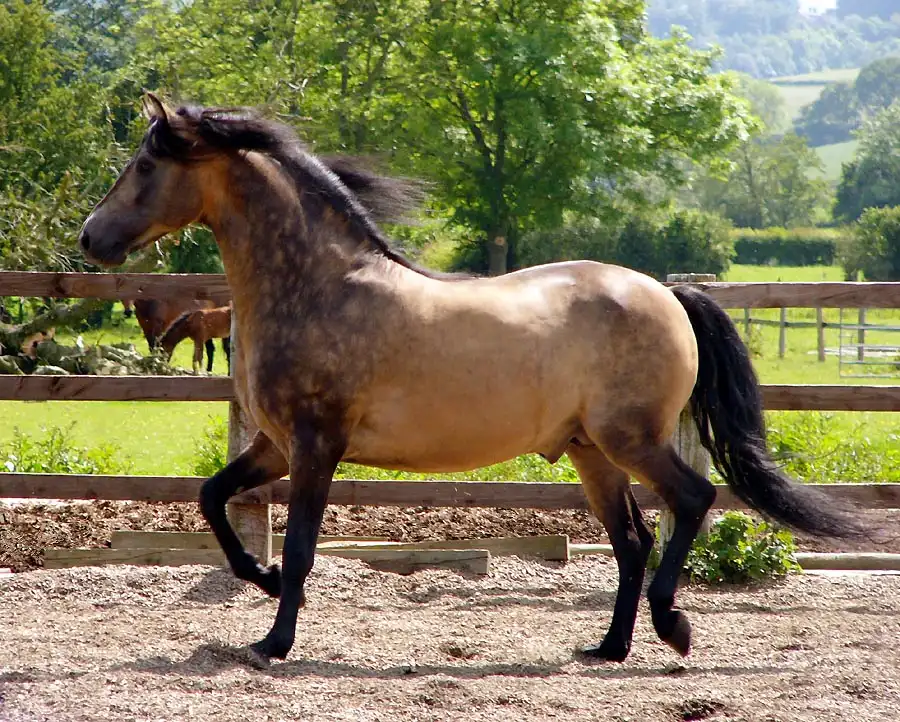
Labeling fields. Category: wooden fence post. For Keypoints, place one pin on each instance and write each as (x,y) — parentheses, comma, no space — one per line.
(747,321)
(782,332)
(820,333)
(252,522)
(861,336)
(686,440)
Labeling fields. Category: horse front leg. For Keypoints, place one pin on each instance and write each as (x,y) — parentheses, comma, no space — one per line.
(197,361)
(258,464)
(315,455)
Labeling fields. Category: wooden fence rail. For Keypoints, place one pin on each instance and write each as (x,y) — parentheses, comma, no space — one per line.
(354,492)
(777,397)
(114,286)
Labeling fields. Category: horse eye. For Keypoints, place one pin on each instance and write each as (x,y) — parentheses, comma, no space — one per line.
(144,166)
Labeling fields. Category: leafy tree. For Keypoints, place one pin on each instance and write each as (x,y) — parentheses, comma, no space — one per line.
(519,103)
(866,8)
(772,183)
(766,102)
(878,84)
(872,180)
(832,117)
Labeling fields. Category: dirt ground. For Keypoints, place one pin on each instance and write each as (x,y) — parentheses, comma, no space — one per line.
(27,529)
(131,644)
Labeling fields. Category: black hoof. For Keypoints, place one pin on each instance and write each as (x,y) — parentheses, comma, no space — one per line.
(270,581)
(607,651)
(262,652)
(674,629)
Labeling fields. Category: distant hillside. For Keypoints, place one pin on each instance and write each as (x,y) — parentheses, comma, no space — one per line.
(802,90)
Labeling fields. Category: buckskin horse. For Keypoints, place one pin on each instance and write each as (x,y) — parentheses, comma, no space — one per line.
(350,352)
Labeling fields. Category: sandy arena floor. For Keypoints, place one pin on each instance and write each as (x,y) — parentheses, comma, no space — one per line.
(129,644)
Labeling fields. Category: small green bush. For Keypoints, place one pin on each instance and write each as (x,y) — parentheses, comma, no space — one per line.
(57,453)
(874,246)
(210,452)
(738,550)
(786,247)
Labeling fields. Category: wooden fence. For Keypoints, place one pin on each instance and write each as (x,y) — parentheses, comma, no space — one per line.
(397,493)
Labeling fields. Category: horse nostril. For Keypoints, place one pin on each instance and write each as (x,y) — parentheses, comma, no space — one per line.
(85,240)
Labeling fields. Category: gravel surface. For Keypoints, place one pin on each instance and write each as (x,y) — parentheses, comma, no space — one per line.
(133,644)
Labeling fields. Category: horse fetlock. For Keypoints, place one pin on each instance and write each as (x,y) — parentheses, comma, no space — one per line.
(273,646)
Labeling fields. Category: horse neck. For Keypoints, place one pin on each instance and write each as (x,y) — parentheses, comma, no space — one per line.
(277,241)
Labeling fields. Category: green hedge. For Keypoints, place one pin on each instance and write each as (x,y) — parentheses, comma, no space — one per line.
(785,246)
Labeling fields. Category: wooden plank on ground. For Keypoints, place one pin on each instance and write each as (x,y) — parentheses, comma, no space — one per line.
(350,492)
(849,560)
(127,539)
(407,561)
(65,558)
(821,397)
(402,561)
(116,388)
(554,548)
(113,286)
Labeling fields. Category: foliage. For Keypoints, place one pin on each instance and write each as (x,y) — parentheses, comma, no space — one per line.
(766,102)
(772,183)
(657,243)
(738,550)
(874,246)
(211,449)
(773,38)
(873,179)
(814,447)
(842,107)
(56,453)
(786,247)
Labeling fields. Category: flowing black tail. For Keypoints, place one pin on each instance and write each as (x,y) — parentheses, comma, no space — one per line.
(727,407)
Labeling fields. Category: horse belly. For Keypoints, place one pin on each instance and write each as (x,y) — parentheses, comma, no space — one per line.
(455,434)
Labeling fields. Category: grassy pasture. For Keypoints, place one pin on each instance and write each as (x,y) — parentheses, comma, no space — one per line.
(801,90)
(162,437)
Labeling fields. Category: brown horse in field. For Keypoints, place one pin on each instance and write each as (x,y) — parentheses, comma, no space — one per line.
(155,316)
(201,326)
(348,351)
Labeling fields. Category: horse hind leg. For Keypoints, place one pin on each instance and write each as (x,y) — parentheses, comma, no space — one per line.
(689,496)
(608,491)
(259,464)
(210,353)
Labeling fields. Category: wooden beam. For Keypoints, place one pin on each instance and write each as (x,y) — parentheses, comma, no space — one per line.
(779,397)
(400,561)
(215,287)
(116,286)
(116,388)
(804,294)
(821,397)
(351,492)
(128,539)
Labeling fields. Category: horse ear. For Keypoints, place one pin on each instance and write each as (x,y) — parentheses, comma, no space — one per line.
(153,107)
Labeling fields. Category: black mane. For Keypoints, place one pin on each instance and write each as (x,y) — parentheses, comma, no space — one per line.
(358,194)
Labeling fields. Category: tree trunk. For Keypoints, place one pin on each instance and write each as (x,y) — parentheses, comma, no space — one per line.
(12,336)
(498,253)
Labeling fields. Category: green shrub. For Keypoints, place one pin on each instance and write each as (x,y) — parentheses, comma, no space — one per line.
(57,453)
(738,550)
(657,243)
(785,247)
(874,246)
(211,451)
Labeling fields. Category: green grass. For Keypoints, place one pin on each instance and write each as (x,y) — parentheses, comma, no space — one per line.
(834,156)
(801,90)
(163,438)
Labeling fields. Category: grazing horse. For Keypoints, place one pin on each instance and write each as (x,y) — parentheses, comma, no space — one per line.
(350,352)
(155,316)
(201,326)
